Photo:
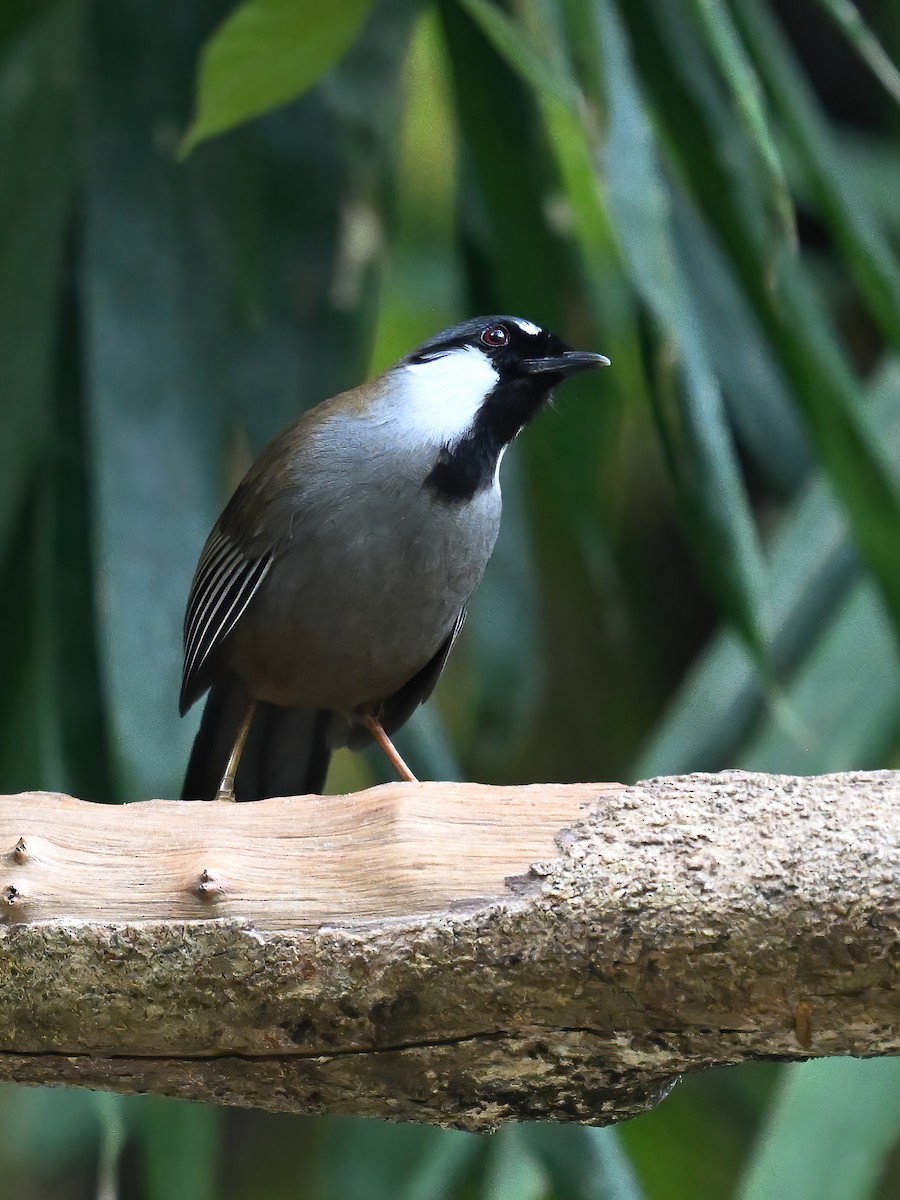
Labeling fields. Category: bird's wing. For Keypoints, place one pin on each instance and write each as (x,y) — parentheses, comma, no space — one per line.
(224,584)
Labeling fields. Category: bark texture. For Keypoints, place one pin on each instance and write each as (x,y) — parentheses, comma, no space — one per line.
(450,953)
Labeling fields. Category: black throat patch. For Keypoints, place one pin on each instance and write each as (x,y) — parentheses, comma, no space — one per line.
(468,466)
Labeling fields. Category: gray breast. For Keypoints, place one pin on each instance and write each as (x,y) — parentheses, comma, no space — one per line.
(373,576)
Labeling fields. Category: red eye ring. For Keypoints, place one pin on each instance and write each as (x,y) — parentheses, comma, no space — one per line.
(495,336)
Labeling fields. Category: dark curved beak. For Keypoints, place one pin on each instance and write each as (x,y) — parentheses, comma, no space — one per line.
(569,363)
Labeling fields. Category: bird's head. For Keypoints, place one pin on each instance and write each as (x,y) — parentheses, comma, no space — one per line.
(469,390)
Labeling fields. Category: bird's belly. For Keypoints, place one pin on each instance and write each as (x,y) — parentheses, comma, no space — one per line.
(352,616)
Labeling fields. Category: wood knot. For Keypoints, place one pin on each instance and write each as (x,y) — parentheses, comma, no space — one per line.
(209,887)
(12,901)
(19,853)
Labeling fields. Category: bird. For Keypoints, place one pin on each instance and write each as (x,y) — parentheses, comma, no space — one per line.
(331,589)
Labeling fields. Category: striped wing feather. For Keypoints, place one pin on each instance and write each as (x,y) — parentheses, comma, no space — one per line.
(224,584)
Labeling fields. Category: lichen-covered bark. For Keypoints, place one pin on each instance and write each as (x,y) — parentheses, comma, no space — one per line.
(678,924)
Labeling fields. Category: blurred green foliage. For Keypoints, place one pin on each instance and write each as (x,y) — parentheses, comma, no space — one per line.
(699,563)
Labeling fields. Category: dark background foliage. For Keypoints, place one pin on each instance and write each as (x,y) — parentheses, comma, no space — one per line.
(699,564)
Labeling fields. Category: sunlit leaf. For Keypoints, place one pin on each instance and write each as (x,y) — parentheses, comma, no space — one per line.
(266,53)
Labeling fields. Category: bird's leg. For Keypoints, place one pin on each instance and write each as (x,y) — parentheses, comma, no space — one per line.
(376,729)
(226,787)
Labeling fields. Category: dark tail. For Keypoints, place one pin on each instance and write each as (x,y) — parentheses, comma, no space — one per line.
(286,753)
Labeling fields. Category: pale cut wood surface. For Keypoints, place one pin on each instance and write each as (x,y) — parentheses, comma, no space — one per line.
(450,953)
(392,851)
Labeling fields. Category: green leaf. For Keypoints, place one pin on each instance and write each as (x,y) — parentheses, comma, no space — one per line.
(266,53)
(844,700)
(508,184)
(511,1170)
(736,67)
(40,70)
(45,1130)
(703,459)
(548,73)
(754,386)
(199,343)
(380,1161)
(441,1172)
(180,1148)
(867,252)
(822,616)
(790,305)
(696,435)
(849,20)
(110,1113)
(503,622)
(583,1163)
(830,1131)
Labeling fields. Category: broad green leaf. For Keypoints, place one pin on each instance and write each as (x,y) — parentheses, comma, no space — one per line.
(200,344)
(440,1175)
(46,1130)
(381,1161)
(830,1131)
(179,1146)
(511,1170)
(583,1163)
(266,53)
(40,69)
(31,747)
(152,311)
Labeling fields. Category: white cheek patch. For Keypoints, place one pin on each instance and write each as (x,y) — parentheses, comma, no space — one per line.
(442,396)
(528,326)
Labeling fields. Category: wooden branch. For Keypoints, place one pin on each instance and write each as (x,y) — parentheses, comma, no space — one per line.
(442,952)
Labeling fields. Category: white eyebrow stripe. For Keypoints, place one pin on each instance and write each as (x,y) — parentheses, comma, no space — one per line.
(527,326)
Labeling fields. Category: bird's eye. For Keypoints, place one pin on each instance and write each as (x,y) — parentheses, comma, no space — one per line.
(495,335)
